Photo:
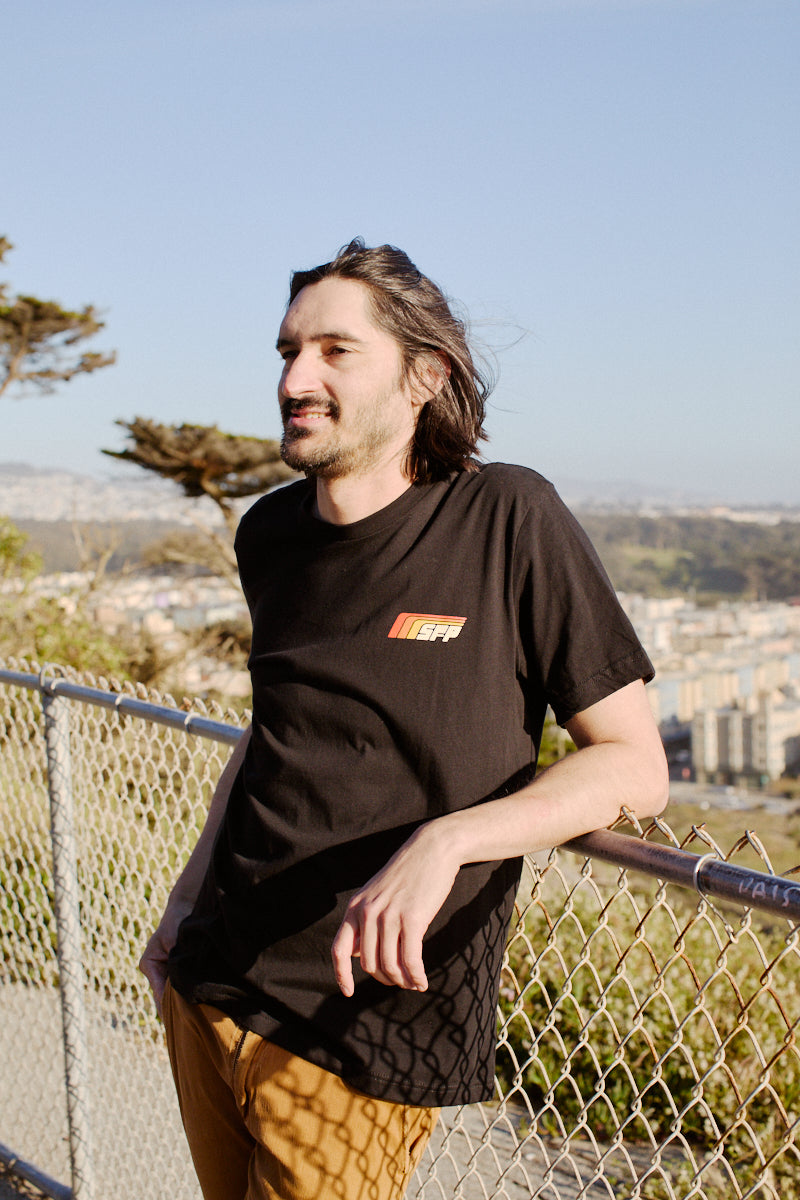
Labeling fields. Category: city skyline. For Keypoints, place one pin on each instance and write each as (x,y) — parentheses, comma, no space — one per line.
(610,188)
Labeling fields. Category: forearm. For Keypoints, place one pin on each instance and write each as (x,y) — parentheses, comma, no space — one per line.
(583,792)
(620,763)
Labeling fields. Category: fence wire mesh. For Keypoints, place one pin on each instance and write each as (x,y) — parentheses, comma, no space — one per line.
(646,1035)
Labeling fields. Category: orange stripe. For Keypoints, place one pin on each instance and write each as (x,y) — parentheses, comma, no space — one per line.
(404,621)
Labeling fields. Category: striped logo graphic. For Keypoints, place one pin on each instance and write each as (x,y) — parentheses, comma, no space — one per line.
(426,627)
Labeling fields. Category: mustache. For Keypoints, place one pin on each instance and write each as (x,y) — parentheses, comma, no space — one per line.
(294,405)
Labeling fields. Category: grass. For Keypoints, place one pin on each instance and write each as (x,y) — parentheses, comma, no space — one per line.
(627,1012)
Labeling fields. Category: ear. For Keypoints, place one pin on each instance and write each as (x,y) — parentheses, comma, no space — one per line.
(431,372)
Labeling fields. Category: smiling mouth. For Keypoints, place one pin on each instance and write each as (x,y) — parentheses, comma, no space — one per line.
(303,416)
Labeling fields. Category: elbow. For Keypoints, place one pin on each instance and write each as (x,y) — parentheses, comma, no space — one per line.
(660,800)
(648,779)
(655,784)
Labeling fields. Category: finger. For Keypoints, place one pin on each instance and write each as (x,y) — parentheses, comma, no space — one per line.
(159,987)
(156,975)
(369,948)
(389,966)
(411,959)
(147,969)
(342,951)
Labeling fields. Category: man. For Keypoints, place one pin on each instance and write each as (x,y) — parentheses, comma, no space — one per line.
(334,945)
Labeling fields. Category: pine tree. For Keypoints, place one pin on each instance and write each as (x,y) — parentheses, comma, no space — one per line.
(41,343)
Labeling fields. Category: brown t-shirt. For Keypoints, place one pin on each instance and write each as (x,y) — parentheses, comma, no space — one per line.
(401,669)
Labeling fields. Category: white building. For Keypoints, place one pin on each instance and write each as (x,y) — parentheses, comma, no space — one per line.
(755,740)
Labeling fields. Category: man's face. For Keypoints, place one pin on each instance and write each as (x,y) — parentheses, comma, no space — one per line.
(345,407)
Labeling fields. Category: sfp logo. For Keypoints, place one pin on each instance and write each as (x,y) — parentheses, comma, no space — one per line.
(426,627)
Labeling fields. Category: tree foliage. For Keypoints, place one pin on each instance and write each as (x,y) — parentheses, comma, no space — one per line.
(191,548)
(205,461)
(41,343)
(17,564)
(42,627)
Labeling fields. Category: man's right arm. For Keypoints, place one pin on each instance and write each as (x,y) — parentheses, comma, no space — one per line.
(153,963)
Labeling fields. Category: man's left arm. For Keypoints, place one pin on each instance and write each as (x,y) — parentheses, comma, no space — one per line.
(619,763)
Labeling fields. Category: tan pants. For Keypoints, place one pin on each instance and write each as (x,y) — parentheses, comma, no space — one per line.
(263,1124)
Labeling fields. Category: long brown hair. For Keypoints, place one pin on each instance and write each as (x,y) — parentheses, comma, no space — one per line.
(415,312)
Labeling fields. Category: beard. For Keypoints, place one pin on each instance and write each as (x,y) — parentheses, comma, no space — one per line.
(322,460)
(337,452)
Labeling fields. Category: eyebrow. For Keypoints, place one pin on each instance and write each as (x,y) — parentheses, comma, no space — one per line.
(330,336)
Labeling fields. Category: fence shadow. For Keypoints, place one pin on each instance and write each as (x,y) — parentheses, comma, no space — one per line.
(646,1024)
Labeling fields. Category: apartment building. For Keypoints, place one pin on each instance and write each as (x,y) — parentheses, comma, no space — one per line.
(752,741)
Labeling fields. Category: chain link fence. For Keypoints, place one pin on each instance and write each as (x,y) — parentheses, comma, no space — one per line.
(649,1002)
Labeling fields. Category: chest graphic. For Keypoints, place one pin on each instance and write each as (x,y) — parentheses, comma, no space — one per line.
(426,627)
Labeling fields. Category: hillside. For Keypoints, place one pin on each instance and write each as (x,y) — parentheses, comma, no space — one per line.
(55,540)
(710,557)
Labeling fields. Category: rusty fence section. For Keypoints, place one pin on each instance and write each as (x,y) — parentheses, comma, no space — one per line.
(648,1013)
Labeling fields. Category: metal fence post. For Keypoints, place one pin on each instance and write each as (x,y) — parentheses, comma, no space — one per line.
(71,976)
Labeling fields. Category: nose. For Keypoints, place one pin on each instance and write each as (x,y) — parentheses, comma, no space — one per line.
(300,375)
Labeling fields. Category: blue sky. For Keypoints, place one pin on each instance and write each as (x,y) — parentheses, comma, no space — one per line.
(610,187)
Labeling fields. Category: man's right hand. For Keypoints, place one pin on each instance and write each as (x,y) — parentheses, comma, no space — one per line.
(153,963)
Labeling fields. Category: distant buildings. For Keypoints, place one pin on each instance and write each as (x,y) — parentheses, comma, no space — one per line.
(165,609)
(727,688)
(29,493)
(729,677)
(748,744)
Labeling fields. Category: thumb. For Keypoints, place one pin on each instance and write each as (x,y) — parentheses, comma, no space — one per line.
(345,947)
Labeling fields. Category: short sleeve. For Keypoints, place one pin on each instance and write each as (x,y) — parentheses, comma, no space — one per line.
(577,644)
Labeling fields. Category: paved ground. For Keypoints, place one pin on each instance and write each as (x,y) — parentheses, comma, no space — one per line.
(477,1153)
(468,1158)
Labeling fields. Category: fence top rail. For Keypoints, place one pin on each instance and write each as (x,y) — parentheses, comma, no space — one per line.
(31,1174)
(707,874)
(130,706)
